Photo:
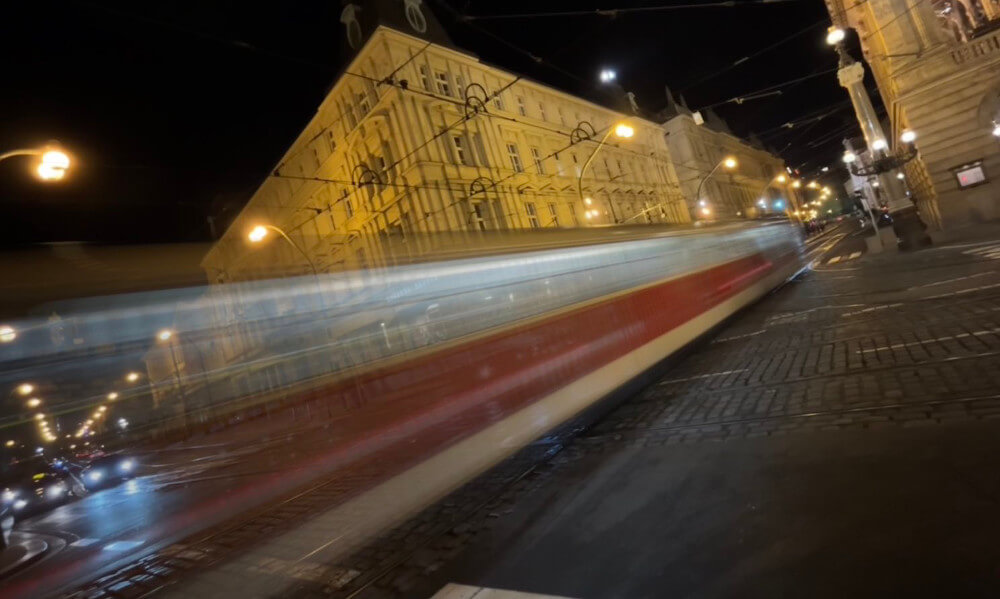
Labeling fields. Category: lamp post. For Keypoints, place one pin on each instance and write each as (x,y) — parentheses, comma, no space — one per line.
(621,131)
(729,163)
(906,222)
(259,233)
(167,336)
(52,164)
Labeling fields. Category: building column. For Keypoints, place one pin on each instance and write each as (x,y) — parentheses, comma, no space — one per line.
(906,221)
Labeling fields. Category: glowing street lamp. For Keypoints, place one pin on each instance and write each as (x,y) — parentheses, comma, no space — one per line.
(622,131)
(834,35)
(796,184)
(908,137)
(7,333)
(113,396)
(259,232)
(34,402)
(132,377)
(608,75)
(9,443)
(849,157)
(52,164)
(729,163)
(165,335)
(879,144)
(25,388)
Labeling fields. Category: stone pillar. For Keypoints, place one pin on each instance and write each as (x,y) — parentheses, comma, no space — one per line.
(906,222)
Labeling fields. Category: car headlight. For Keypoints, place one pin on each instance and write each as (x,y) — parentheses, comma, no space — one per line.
(19,504)
(55,491)
(95,475)
(126,465)
(9,495)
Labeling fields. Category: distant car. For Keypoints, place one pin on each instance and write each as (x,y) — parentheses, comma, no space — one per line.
(32,486)
(108,471)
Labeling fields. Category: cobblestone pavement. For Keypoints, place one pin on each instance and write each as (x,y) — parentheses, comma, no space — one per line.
(873,343)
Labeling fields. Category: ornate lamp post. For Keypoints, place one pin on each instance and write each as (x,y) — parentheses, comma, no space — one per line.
(884,164)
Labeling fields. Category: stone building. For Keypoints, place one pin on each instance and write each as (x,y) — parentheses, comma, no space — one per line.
(417,136)
(937,66)
(698,142)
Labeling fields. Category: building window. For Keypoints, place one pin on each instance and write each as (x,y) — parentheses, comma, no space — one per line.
(363,103)
(553,215)
(541,110)
(460,84)
(537,157)
(520,107)
(441,78)
(461,152)
(348,207)
(621,171)
(331,139)
(562,117)
(352,119)
(425,78)
(498,101)
(478,216)
(529,207)
(576,164)
(515,158)
(559,166)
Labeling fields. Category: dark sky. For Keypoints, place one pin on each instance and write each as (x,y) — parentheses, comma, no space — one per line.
(175,111)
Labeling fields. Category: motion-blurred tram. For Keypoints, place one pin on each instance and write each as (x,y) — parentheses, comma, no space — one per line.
(457,363)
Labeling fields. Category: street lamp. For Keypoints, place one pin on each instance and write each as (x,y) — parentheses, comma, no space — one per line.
(52,163)
(906,223)
(25,388)
(908,137)
(608,75)
(729,163)
(834,35)
(132,377)
(112,396)
(7,333)
(849,157)
(34,402)
(622,131)
(259,232)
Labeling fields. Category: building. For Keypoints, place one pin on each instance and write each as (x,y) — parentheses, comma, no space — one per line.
(937,66)
(418,136)
(698,143)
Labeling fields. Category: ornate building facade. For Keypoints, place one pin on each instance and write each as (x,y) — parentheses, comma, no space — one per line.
(937,66)
(419,137)
(756,186)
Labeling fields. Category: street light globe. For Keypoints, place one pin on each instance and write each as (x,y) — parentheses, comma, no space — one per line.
(834,35)
(781,179)
(9,443)
(25,388)
(53,165)
(849,157)
(900,176)
(165,335)
(797,184)
(624,131)
(34,402)
(7,334)
(113,396)
(39,416)
(608,75)
(706,211)
(996,130)
(257,234)
(132,377)
(729,162)
(908,137)
(813,185)
(879,144)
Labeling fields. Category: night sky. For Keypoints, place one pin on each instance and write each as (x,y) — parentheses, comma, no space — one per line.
(176,111)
